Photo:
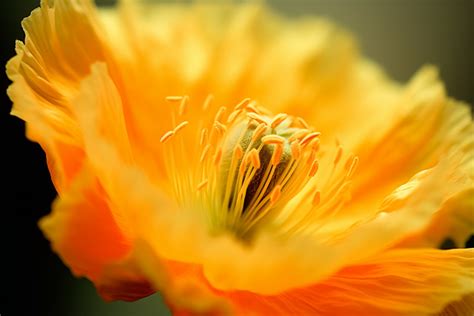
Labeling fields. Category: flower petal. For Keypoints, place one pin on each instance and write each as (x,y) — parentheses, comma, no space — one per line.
(46,72)
(454,221)
(82,230)
(427,127)
(398,282)
(84,233)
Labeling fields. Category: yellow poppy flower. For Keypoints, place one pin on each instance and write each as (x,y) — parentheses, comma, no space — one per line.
(239,162)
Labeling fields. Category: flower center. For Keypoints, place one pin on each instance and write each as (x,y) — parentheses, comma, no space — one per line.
(252,168)
(265,163)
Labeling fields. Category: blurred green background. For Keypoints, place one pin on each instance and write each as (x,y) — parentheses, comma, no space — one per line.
(400,35)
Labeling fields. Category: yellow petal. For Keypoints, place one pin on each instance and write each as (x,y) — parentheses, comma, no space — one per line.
(396,283)
(46,72)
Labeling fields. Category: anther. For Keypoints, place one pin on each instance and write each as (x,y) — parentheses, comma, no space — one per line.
(217,157)
(316,198)
(302,122)
(259,130)
(220,113)
(254,158)
(309,138)
(174,98)
(277,120)
(221,128)
(273,139)
(295,150)
(275,195)
(242,104)
(203,138)
(204,153)
(166,136)
(251,108)
(181,126)
(207,102)
(256,117)
(276,156)
(298,135)
(202,184)
(183,105)
(238,152)
(314,168)
(233,116)
(353,166)
(338,155)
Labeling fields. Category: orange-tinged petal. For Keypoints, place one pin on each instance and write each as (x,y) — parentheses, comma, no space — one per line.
(82,229)
(84,233)
(398,282)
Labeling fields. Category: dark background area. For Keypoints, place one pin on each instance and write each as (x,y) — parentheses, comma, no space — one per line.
(400,35)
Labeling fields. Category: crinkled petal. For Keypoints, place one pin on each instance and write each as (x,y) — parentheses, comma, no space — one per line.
(427,128)
(46,73)
(396,283)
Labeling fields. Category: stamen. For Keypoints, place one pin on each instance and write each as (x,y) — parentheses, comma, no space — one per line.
(251,108)
(316,198)
(261,128)
(243,165)
(309,138)
(203,137)
(220,114)
(298,135)
(295,150)
(217,157)
(253,166)
(254,158)
(243,104)
(166,136)
(349,160)
(181,126)
(256,117)
(273,139)
(221,128)
(238,152)
(302,122)
(353,166)
(275,195)
(207,102)
(233,116)
(315,144)
(338,155)
(204,153)
(277,120)
(183,105)
(202,184)
(276,156)
(314,168)
(173,98)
